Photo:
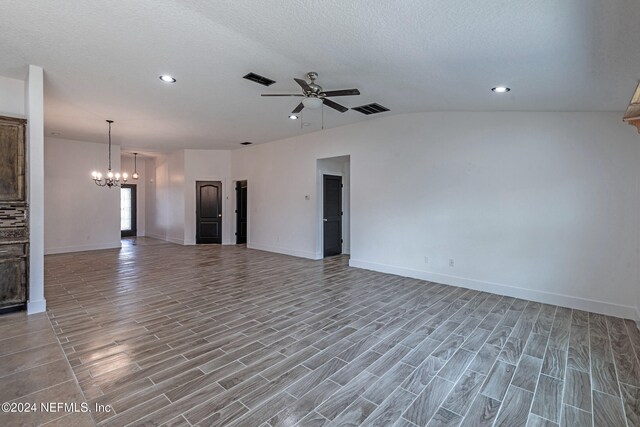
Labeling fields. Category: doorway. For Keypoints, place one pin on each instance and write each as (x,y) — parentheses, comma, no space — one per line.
(128,219)
(332,214)
(334,234)
(208,212)
(241,212)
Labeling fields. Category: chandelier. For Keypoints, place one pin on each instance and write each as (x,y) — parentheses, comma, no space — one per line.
(135,166)
(112,179)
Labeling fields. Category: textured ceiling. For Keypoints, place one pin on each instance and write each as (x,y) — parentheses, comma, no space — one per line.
(102,60)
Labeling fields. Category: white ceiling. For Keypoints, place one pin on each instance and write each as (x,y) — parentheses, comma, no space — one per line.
(102,60)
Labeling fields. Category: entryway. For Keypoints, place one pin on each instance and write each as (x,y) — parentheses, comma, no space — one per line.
(128,218)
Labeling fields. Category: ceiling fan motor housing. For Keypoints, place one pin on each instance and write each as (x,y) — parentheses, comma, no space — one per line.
(315,88)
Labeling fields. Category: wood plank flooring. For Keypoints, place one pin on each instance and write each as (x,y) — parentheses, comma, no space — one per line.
(224,335)
(33,369)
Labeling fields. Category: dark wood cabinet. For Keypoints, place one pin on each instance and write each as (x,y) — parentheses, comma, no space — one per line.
(14,232)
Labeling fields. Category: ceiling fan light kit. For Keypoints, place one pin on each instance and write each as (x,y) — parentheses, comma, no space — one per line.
(312,103)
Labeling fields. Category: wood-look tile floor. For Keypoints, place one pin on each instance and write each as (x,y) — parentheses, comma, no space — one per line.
(213,336)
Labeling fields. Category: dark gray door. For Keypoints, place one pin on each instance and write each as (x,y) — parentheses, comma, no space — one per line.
(241,212)
(332,217)
(208,212)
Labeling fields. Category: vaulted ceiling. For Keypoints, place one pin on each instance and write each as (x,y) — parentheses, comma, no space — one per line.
(102,60)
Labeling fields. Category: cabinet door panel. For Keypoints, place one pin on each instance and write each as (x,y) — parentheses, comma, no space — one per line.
(11,159)
(12,281)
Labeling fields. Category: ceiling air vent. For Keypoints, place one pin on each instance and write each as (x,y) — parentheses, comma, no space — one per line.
(371,109)
(246,143)
(259,79)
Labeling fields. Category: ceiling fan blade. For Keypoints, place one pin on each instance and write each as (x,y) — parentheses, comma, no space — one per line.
(281,94)
(334,105)
(298,108)
(342,92)
(304,85)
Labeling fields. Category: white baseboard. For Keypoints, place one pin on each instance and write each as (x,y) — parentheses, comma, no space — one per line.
(602,307)
(82,248)
(34,307)
(174,240)
(166,238)
(156,236)
(281,250)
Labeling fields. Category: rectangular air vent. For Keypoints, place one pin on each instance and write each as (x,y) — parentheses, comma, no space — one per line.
(246,143)
(259,79)
(371,109)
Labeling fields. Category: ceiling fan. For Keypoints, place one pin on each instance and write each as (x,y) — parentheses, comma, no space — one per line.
(314,96)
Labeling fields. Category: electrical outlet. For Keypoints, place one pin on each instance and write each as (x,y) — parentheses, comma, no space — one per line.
(451,262)
(426,260)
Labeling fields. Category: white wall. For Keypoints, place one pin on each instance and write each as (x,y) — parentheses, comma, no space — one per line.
(171,193)
(536,205)
(79,214)
(176,197)
(165,207)
(12,97)
(207,165)
(150,214)
(127,165)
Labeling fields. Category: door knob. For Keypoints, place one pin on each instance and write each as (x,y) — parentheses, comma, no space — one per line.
(219,215)
(325,219)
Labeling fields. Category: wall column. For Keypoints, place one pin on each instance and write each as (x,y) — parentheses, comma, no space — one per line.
(35,169)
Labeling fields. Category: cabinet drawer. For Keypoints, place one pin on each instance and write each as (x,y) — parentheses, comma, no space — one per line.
(13,251)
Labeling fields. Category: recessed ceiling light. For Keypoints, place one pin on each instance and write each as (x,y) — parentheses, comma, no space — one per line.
(293,117)
(501,89)
(167,78)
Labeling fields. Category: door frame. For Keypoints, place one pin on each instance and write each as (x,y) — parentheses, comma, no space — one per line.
(134,211)
(346,206)
(237,214)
